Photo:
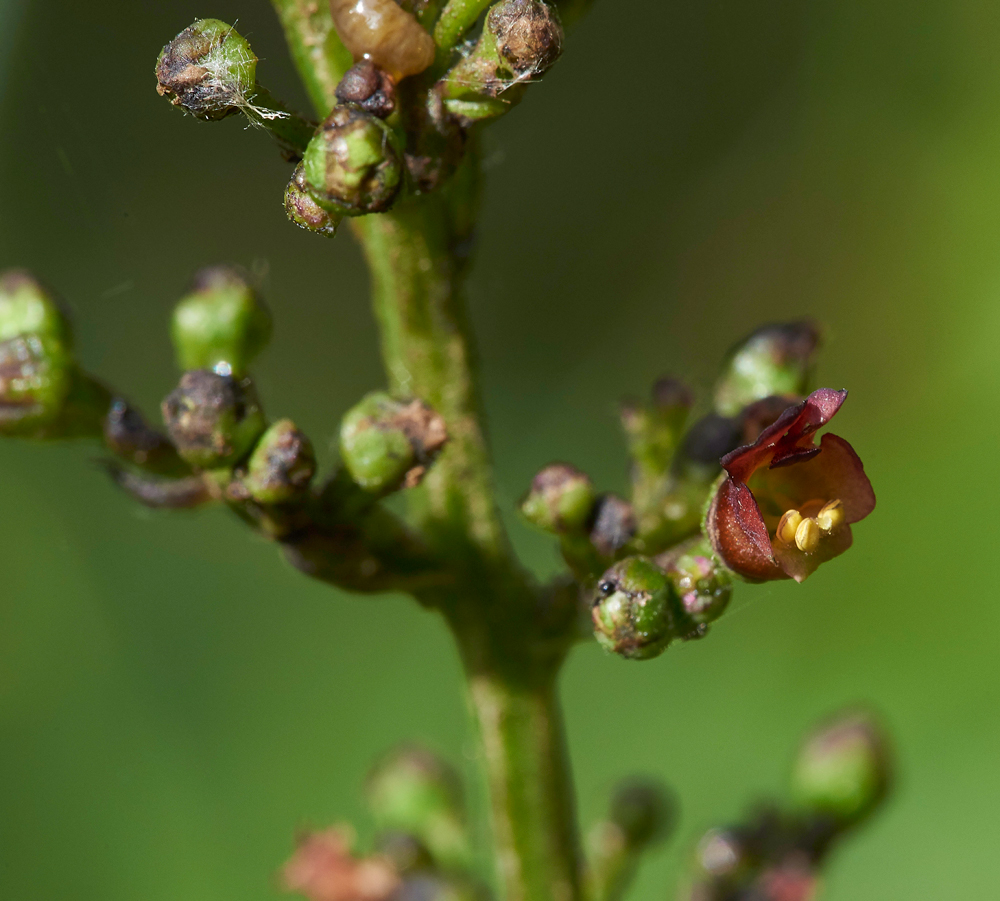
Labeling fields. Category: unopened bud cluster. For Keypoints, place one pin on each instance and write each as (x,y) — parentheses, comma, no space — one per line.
(840,777)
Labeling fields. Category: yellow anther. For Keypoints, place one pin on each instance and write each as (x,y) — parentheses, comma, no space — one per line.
(789,522)
(807,536)
(831,516)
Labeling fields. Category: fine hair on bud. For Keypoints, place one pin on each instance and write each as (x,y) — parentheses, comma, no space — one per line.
(528,35)
(213,419)
(208,70)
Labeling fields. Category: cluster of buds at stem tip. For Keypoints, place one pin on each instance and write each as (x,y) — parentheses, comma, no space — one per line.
(521,39)
(641,605)
(37,371)
(841,776)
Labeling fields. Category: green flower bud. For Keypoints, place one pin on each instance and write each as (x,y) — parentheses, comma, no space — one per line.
(213,420)
(207,70)
(703,585)
(774,360)
(28,308)
(644,810)
(281,466)
(560,500)
(36,374)
(221,324)
(386,443)
(412,790)
(353,165)
(636,609)
(304,210)
(844,769)
(520,41)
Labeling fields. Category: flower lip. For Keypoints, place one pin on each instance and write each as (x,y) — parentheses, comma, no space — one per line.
(791,479)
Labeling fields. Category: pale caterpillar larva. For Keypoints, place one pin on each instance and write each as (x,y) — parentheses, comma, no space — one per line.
(380,30)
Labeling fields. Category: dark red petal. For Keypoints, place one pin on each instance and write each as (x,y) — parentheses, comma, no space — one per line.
(738,534)
(787,435)
(800,566)
(836,472)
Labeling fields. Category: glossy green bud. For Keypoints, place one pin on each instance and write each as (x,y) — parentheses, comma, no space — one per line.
(281,466)
(304,210)
(26,307)
(774,360)
(413,790)
(521,40)
(702,583)
(387,443)
(844,769)
(213,420)
(636,609)
(36,374)
(221,324)
(353,164)
(560,500)
(643,810)
(208,70)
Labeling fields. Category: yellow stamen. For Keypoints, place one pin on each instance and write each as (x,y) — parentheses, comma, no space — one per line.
(807,536)
(831,516)
(789,522)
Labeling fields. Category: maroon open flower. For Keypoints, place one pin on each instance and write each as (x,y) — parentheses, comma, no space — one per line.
(787,504)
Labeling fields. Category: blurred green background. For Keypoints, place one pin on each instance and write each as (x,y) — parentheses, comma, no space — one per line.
(175,702)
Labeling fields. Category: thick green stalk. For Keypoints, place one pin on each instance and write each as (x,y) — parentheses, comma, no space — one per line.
(320,57)
(533,809)
(501,620)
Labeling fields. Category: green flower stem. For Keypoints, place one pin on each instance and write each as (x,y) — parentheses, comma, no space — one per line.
(457,17)
(511,649)
(289,129)
(320,57)
(532,797)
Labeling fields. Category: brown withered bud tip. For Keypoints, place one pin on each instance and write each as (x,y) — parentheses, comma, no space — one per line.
(323,869)
(528,34)
(711,438)
(368,86)
(212,419)
(427,433)
(670,392)
(613,524)
(128,435)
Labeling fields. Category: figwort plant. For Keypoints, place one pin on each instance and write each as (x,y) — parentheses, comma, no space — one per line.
(745,491)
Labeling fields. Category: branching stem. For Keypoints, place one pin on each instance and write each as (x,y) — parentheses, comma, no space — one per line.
(509,647)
